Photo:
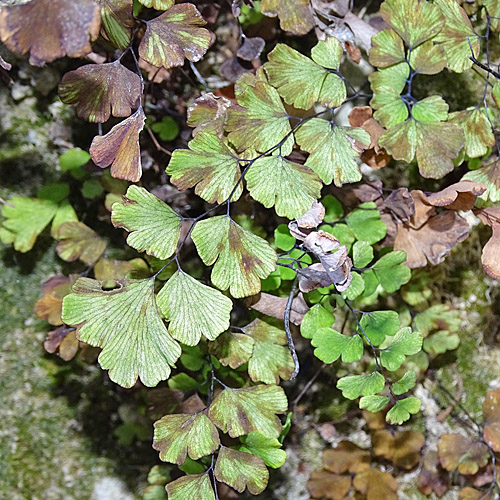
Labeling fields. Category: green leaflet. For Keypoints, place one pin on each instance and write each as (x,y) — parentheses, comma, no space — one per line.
(378,324)
(283,239)
(174,35)
(427,137)
(270,357)
(391,273)
(126,324)
(440,342)
(373,403)
(332,155)
(489,175)
(457,36)
(317,317)
(157,4)
(241,470)
(154,227)
(240,259)
(78,241)
(189,487)
(387,49)
(356,287)
(241,411)
(179,435)
(405,383)
(302,81)
(193,309)
(330,345)
(362,253)
(428,58)
(354,386)
(117,21)
(210,165)
(233,349)
(263,124)
(366,225)
(290,187)
(269,449)
(478,133)
(402,410)
(294,15)
(26,218)
(405,343)
(415,22)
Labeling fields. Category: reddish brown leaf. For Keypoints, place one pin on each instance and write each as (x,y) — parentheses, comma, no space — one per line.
(175,35)
(459,196)
(462,453)
(99,90)
(376,485)
(62,340)
(346,457)
(50,305)
(490,257)
(274,306)
(251,48)
(400,204)
(120,148)
(432,478)
(491,414)
(50,29)
(324,484)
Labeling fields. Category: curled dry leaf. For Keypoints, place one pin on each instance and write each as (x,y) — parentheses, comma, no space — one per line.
(333,257)
(373,155)
(400,204)
(430,236)
(459,196)
(208,112)
(99,90)
(50,29)
(274,306)
(4,64)
(251,48)
(491,413)
(490,257)
(174,35)
(303,226)
(120,148)
(313,277)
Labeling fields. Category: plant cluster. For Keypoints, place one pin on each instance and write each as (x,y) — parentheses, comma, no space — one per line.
(339,269)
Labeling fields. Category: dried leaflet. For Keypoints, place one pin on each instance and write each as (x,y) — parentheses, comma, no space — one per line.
(50,29)
(490,257)
(120,148)
(274,306)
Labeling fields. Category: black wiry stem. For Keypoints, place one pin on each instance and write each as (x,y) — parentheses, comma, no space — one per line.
(289,338)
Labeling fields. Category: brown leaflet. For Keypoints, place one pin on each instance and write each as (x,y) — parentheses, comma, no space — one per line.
(490,257)
(117,21)
(374,156)
(63,341)
(462,453)
(274,306)
(402,448)
(432,478)
(295,15)
(120,148)
(324,484)
(156,75)
(313,277)
(363,31)
(376,485)
(400,204)
(346,457)
(50,29)
(459,196)
(303,226)
(174,35)
(491,413)
(99,90)
(50,305)
(433,241)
